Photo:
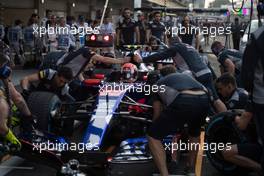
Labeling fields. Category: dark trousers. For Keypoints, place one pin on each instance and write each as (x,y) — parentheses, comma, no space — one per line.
(189,109)
(258,110)
(236,43)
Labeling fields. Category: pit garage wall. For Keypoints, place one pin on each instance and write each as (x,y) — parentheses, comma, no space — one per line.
(22,9)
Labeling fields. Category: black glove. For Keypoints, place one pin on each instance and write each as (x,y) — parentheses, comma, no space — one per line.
(28,123)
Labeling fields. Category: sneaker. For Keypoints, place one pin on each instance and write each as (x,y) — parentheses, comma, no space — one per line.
(12,142)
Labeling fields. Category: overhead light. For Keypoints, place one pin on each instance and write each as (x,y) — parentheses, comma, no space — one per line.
(42,1)
(73,4)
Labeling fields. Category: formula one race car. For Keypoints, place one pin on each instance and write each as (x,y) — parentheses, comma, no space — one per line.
(101,132)
(106,127)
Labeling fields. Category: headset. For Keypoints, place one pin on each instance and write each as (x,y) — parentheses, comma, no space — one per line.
(5,71)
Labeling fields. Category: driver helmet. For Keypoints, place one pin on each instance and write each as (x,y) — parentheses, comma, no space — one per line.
(129,73)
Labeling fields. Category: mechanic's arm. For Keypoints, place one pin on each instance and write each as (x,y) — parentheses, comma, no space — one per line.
(137,34)
(166,40)
(25,82)
(165,54)
(229,66)
(117,37)
(222,70)
(18,100)
(243,120)
(81,77)
(157,108)
(109,60)
(148,32)
(197,42)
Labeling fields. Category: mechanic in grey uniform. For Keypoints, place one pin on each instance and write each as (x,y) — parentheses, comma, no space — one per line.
(70,66)
(185,57)
(251,155)
(84,57)
(233,96)
(184,101)
(230,60)
(49,80)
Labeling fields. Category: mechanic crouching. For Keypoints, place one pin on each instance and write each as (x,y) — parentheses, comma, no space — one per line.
(9,96)
(184,101)
(55,81)
(252,76)
(233,96)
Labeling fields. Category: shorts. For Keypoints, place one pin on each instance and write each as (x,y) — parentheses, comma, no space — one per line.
(185,109)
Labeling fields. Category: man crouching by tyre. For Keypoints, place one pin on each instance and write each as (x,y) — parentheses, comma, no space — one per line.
(49,80)
(8,96)
(252,155)
(184,101)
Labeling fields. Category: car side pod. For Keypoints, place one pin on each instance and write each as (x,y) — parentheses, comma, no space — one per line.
(92,82)
(222,129)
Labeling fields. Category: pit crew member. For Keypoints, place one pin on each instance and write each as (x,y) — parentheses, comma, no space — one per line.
(184,101)
(9,95)
(185,57)
(231,95)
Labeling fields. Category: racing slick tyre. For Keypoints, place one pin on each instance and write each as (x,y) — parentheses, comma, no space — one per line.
(43,105)
(222,129)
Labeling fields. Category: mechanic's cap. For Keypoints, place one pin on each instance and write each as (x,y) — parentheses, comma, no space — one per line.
(129,72)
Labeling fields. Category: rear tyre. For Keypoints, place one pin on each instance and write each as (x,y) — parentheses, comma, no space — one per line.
(222,129)
(43,105)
